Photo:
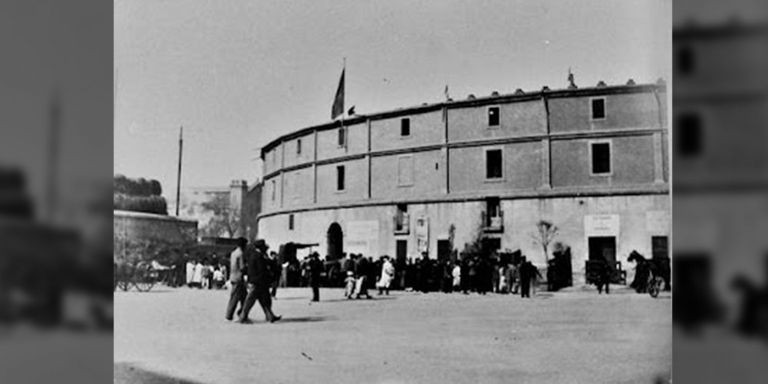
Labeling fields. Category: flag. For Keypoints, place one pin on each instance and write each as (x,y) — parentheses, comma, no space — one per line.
(446,92)
(338,101)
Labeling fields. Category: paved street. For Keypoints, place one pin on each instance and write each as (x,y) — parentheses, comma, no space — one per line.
(180,335)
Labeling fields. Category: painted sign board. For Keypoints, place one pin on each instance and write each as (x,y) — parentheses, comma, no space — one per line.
(601,225)
(422,234)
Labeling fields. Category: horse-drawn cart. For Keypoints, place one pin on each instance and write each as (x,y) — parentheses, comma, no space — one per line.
(142,275)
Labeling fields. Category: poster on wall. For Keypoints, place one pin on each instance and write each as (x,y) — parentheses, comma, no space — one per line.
(601,225)
(362,237)
(422,235)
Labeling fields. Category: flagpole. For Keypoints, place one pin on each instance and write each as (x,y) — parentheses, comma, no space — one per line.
(178,174)
(344,71)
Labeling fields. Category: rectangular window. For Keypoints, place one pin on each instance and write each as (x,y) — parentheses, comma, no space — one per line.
(290,222)
(493,116)
(402,218)
(274,187)
(405,170)
(598,109)
(688,135)
(342,137)
(493,207)
(659,247)
(340,178)
(601,158)
(405,127)
(493,164)
(298,147)
(684,60)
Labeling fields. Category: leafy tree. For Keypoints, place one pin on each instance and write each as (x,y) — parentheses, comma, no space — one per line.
(225,220)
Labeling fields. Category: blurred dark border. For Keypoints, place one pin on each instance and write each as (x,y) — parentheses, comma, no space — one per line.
(56,138)
(720,191)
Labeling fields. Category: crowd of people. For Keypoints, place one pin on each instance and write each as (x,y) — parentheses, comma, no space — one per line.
(360,274)
(252,274)
(206,273)
(471,273)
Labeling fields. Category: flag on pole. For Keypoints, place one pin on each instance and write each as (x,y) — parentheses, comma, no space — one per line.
(446,92)
(338,101)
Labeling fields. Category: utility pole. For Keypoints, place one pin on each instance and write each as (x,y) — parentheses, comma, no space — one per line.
(178,175)
(54,115)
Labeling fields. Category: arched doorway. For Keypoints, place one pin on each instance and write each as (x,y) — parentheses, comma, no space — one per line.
(335,242)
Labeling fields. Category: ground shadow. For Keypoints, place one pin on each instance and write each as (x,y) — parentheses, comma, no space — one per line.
(126,373)
(374,298)
(294,298)
(305,319)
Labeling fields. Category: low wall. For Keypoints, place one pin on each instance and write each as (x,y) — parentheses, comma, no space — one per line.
(136,226)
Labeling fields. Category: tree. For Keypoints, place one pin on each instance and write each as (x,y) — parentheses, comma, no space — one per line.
(225,219)
(546,232)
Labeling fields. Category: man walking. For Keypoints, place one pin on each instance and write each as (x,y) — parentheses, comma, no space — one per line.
(525,278)
(259,281)
(361,271)
(315,267)
(604,277)
(275,272)
(237,283)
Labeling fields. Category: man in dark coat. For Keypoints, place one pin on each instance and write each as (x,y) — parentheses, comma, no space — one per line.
(466,284)
(275,270)
(259,281)
(425,273)
(525,278)
(315,269)
(604,273)
(484,275)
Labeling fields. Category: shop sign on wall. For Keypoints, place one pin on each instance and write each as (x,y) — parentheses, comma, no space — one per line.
(422,234)
(601,225)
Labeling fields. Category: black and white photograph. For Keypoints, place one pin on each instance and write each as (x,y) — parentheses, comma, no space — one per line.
(392,191)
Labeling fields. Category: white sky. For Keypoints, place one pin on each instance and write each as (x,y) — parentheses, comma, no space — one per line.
(239,73)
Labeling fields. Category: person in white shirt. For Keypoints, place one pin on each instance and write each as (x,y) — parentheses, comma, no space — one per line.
(190,270)
(197,276)
(456,273)
(218,278)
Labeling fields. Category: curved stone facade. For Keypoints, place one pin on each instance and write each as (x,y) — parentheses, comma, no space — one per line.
(593,161)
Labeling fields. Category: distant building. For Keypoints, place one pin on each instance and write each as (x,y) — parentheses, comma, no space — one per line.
(435,177)
(223,211)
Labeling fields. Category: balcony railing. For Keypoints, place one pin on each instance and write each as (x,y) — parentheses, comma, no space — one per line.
(493,223)
(401,223)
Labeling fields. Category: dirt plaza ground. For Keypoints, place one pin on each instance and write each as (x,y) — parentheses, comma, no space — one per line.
(180,336)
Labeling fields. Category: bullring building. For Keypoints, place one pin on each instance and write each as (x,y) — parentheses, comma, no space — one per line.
(432,178)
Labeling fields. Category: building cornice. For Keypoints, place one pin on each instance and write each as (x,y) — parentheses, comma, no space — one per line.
(471,102)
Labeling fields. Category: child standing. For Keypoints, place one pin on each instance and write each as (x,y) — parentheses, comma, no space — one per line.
(349,285)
